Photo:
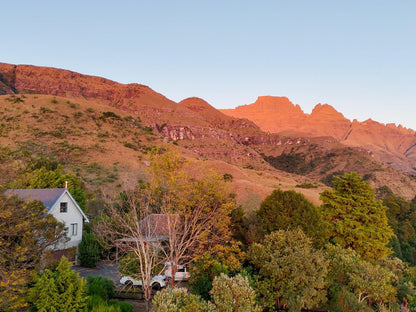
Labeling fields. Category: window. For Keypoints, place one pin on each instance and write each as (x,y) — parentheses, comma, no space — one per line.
(74,229)
(64,207)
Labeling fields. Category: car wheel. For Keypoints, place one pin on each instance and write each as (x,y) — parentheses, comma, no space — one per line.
(156,286)
(129,283)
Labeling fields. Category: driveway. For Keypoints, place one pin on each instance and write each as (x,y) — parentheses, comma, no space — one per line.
(104,268)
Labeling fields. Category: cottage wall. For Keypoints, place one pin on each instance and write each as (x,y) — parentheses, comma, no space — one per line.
(70,217)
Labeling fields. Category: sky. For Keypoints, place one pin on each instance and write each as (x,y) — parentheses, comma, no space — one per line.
(358,56)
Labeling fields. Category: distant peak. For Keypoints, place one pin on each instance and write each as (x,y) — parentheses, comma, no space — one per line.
(326,110)
(196,104)
(270,98)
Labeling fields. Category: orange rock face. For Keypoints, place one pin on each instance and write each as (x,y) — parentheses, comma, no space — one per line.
(389,143)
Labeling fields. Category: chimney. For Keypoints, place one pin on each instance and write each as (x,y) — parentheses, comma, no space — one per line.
(66,184)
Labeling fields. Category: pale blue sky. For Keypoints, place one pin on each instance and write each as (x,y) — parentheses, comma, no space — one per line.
(358,56)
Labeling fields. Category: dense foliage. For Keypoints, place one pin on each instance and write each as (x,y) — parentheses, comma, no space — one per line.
(59,290)
(45,173)
(233,294)
(291,272)
(402,219)
(178,300)
(355,218)
(89,250)
(25,234)
(283,210)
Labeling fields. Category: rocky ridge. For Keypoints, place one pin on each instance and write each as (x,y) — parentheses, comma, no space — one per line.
(391,144)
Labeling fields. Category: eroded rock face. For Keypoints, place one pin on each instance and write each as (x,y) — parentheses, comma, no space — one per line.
(272,114)
(389,143)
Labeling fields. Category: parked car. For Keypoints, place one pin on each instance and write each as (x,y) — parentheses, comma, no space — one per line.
(156,283)
(181,273)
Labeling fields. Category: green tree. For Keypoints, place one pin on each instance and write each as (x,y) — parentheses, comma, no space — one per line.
(283,210)
(45,173)
(233,294)
(402,219)
(89,250)
(355,283)
(203,272)
(60,290)
(178,300)
(291,272)
(26,233)
(355,218)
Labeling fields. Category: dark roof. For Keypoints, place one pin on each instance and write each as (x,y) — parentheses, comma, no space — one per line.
(47,196)
(158,224)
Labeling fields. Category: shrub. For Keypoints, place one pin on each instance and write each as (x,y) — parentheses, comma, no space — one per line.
(100,286)
(178,300)
(89,250)
(228,177)
(59,290)
(233,294)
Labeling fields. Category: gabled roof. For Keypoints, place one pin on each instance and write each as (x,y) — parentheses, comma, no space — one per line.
(158,224)
(47,196)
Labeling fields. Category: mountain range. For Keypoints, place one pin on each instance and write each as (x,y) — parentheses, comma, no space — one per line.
(90,122)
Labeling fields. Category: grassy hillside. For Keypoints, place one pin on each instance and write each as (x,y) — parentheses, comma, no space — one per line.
(107,148)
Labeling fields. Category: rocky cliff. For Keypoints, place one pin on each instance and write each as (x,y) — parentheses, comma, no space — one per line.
(394,145)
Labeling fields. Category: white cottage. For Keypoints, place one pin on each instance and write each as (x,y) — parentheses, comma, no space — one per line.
(60,203)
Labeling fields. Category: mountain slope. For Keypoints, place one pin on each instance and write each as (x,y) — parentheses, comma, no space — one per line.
(102,130)
(394,145)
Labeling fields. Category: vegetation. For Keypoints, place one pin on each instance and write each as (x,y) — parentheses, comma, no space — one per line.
(231,294)
(59,290)
(284,254)
(89,250)
(355,218)
(283,210)
(178,300)
(26,233)
(291,272)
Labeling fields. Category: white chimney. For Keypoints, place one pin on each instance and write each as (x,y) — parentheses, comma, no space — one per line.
(66,184)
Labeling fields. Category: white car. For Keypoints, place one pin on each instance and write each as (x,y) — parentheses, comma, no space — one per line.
(181,273)
(156,283)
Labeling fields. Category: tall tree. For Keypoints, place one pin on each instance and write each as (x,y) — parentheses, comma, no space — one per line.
(283,210)
(202,208)
(291,272)
(402,218)
(355,218)
(26,232)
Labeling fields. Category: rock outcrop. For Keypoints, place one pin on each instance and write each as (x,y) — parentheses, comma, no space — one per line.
(389,143)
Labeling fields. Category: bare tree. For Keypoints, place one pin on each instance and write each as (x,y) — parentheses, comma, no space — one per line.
(129,227)
(198,209)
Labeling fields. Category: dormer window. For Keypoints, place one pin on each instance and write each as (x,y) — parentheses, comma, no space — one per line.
(64,207)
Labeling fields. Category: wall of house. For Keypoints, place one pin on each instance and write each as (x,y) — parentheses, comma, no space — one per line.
(72,216)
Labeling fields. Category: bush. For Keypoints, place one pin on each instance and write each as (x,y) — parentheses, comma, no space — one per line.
(59,290)
(178,300)
(203,273)
(233,294)
(100,286)
(228,177)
